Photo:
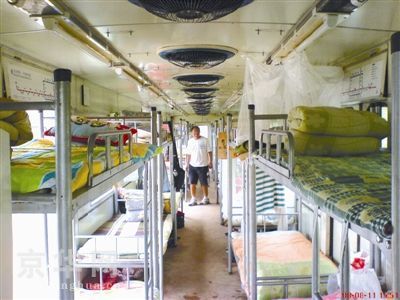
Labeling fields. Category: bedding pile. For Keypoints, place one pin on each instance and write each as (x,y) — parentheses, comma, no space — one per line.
(17,124)
(33,164)
(82,128)
(330,131)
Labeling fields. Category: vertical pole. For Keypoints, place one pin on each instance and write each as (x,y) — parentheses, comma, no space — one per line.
(172,192)
(252,209)
(41,123)
(181,143)
(46,247)
(151,230)
(395,49)
(345,262)
(300,213)
(62,79)
(315,255)
(146,234)
(186,167)
(212,136)
(216,161)
(154,199)
(160,173)
(244,218)
(228,129)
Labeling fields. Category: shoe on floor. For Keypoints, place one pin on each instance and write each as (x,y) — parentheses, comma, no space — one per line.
(192,202)
(205,201)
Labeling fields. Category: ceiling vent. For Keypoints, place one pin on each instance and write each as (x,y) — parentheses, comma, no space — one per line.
(200,97)
(197,57)
(195,11)
(200,91)
(198,80)
(194,103)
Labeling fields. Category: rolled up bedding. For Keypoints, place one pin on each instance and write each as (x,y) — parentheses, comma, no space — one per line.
(324,145)
(334,121)
(17,124)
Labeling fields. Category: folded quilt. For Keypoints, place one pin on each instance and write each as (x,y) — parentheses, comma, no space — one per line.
(337,122)
(17,124)
(308,144)
(33,164)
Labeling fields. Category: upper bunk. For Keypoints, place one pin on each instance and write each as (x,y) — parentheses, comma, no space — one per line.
(95,165)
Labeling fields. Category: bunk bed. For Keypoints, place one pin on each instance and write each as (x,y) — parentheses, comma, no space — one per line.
(354,190)
(98,171)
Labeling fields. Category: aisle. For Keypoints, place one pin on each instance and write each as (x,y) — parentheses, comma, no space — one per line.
(197,268)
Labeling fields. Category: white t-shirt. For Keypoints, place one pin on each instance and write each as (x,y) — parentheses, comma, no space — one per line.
(198,151)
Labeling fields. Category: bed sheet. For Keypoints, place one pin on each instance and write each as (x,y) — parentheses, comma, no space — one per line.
(281,253)
(355,188)
(33,164)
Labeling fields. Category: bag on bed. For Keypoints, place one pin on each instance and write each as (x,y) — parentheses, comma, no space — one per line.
(337,122)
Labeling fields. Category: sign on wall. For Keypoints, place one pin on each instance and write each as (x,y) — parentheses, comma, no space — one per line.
(366,80)
(26,83)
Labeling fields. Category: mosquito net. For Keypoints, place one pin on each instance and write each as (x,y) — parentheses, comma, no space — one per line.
(277,89)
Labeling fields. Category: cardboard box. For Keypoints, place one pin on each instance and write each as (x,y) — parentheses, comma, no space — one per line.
(222,146)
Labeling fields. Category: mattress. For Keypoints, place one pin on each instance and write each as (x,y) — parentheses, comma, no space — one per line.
(119,239)
(33,164)
(354,188)
(119,290)
(281,253)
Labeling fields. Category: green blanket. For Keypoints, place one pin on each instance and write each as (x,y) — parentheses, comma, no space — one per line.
(337,122)
(355,188)
(308,144)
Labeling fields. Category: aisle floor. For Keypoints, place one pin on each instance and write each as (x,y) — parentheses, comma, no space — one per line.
(197,268)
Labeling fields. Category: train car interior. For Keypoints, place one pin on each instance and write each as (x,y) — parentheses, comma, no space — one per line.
(199,149)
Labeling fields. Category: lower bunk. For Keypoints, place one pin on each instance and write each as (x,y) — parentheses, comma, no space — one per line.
(123,290)
(284,264)
(119,239)
(110,263)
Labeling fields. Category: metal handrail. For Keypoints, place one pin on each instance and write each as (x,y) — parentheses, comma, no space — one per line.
(279,159)
(107,135)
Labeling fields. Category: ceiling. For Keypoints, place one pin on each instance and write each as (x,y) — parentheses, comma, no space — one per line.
(254,30)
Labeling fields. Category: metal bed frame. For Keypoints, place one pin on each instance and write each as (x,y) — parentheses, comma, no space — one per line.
(282,171)
(65,203)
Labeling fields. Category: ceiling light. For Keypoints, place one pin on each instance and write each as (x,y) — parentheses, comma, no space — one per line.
(118,71)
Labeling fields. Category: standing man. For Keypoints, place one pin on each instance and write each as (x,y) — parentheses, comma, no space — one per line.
(198,160)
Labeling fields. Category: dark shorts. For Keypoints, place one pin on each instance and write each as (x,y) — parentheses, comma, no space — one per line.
(198,173)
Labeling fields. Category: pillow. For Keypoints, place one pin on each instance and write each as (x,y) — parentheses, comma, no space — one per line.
(82,128)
